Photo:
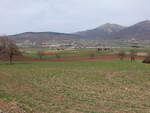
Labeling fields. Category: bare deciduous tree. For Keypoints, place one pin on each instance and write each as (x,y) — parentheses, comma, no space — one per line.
(40,54)
(133,55)
(121,55)
(8,49)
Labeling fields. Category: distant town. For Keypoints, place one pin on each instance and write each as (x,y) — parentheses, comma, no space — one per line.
(75,44)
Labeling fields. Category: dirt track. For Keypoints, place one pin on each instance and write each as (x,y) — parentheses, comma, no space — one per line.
(74,58)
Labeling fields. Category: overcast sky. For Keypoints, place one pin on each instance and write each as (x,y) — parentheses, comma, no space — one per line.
(18,16)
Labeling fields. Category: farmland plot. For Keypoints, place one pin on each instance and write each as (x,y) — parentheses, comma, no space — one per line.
(76,87)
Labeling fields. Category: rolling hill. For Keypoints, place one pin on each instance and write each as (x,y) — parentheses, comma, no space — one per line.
(44,36)
(139,31)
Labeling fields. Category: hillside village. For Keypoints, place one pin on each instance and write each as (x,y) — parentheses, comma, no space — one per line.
(75,44)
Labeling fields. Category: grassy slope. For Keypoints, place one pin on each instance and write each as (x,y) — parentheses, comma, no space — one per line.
(88,87)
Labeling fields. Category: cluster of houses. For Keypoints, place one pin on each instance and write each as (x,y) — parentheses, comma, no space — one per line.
(26,44)
(70,44)
(73,44)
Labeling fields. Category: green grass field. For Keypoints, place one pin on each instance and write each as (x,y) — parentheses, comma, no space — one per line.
(32,52)
(64,53)
(77,87)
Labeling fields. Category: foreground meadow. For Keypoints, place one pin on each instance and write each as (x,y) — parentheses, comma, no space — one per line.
(77,87)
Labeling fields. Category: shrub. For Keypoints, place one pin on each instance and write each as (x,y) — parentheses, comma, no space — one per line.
(92,55)
(147,59)
(58,56)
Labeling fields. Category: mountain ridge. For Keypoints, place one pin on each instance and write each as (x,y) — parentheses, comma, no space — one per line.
(108,31)
(139,31)
(101,32)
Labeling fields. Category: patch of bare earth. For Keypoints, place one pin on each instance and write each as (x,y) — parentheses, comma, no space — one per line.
(74,58)
(9,107)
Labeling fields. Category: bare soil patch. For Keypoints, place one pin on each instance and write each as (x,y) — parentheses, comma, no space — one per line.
(103,57)
(9,107)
